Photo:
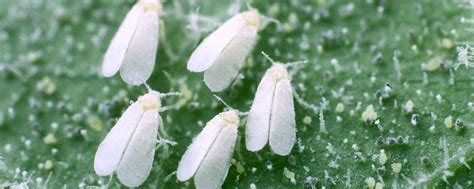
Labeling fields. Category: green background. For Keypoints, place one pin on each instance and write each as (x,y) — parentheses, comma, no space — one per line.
(60,44)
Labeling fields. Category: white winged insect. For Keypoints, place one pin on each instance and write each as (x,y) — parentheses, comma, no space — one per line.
(133,48)
(209,157)
(129,147)
(272,116)
(222,53)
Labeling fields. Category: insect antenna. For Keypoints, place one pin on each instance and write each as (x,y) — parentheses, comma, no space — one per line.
(170,94)
(230,107)
(148,88)
(268,58)
(296,63)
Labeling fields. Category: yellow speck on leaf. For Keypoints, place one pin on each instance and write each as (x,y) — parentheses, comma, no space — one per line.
(433,64)
(48,165)
(289,175)
(94,123)
(448,122)
(50,139)
(447,43)
(46,85)
(340,108)
(396,167)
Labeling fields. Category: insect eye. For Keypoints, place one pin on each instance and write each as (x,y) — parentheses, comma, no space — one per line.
(151,6)
(252,18)
(149,102)
(230,118)
(278,75)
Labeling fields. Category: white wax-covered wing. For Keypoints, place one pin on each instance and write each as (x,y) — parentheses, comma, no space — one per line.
(282,124)
(258,122)
(137,160)
(212,46)
(195,153)
(215,166)
(114,56)
(110,151)
(140,57)
(226,67)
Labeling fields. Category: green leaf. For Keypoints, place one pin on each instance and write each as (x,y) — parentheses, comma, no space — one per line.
(55,108)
